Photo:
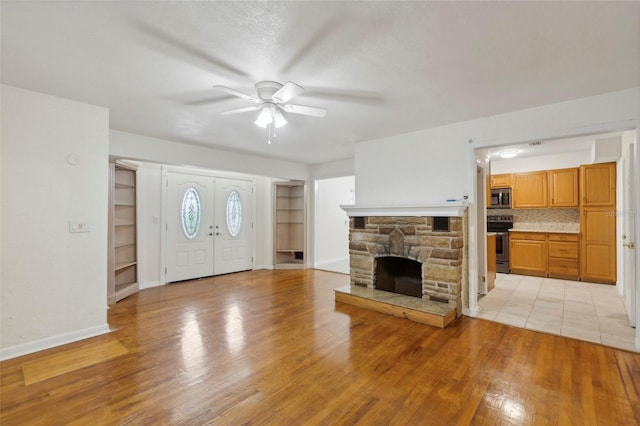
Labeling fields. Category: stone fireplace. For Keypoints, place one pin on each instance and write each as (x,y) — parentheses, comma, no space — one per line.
(408,254)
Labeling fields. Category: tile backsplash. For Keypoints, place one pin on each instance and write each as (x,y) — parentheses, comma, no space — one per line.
(565,219)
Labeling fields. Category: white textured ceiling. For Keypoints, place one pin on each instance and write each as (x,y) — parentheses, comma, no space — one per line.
(380,68)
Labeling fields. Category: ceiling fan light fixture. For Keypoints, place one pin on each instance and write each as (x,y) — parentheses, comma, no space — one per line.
(278,119)
(265,118)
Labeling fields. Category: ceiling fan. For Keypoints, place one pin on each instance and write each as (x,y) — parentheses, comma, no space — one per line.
(273,97)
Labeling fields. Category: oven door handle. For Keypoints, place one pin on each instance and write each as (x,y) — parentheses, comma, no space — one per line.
(500,199)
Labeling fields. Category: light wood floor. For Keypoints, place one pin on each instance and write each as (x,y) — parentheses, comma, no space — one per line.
(272,347)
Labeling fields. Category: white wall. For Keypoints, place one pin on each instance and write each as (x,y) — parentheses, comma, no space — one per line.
(540,162)
(333,169)
(432,165)
(143,148)
(264,223)
(149,212)
(54,170)
(331,222)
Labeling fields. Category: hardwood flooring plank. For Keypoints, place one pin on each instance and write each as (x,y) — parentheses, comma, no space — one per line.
(274,347)
(70,360)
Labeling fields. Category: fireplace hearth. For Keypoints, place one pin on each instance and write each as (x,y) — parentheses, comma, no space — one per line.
(406,255)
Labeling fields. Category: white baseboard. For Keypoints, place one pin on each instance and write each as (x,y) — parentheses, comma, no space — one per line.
(150,284)
(323,263)
(256,267)
(50,342)
(471,312)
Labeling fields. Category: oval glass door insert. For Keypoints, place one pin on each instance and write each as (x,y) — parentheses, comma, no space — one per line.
(191,213)
(234,213)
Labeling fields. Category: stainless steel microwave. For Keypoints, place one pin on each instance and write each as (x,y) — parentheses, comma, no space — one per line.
(500,198)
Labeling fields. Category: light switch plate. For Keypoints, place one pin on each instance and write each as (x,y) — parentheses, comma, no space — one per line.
(75,227)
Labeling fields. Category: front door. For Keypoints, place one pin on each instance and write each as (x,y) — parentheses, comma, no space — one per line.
(189,226)
(233,225)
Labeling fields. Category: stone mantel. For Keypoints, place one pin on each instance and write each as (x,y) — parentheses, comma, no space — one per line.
(455,208)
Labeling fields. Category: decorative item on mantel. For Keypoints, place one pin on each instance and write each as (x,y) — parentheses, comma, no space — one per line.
(431,237)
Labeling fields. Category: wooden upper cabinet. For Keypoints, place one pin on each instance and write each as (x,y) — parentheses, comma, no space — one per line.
(563,187)
(529,190)
(598,185)
(501,181)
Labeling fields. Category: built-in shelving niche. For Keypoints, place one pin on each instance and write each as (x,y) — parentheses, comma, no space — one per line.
(123,264)
(290,225)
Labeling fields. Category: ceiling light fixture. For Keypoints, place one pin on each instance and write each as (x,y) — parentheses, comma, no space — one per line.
(508,153)
(270,117)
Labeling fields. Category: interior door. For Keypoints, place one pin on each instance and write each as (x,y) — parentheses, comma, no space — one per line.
(233,225)
(189,227)
(629,232)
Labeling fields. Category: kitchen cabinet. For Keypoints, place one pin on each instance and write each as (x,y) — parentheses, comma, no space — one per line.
(563,256)
(598,222)
(501,181)
(491,261)
(563,187)
(556,255)
(528,253)
(598,248)
(530,190)
(598,185)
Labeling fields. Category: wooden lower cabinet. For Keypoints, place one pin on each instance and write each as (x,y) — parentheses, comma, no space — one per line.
(598,248)
(528,253)
(544,254)
(563,250)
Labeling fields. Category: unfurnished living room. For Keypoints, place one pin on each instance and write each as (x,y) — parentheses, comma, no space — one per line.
(354,212)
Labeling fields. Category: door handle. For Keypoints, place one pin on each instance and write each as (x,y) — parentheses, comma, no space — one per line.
(629,245)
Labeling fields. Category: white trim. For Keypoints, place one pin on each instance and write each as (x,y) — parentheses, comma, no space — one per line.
(471,312)
(256,267)
(330,261)
(150,284)
(50,342)
(454,208)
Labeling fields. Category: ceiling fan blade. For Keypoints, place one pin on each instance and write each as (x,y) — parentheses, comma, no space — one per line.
(305,110)
(238,93)
(239,110)
(287,92)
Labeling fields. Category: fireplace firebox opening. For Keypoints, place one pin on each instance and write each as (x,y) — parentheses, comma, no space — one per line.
(398,275)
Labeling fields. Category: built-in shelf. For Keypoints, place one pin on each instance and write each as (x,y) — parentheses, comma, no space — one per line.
(124,265)
(290,221)
(123,275)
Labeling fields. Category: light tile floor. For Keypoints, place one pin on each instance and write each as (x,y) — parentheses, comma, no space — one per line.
(591,312)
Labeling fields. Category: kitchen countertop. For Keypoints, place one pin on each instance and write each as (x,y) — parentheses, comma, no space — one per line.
(491,234)
(545,231)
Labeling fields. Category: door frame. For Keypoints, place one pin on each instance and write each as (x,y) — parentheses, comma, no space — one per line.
(477,150)
(163,209)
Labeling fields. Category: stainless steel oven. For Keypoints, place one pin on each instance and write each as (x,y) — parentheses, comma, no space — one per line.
(501,225)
